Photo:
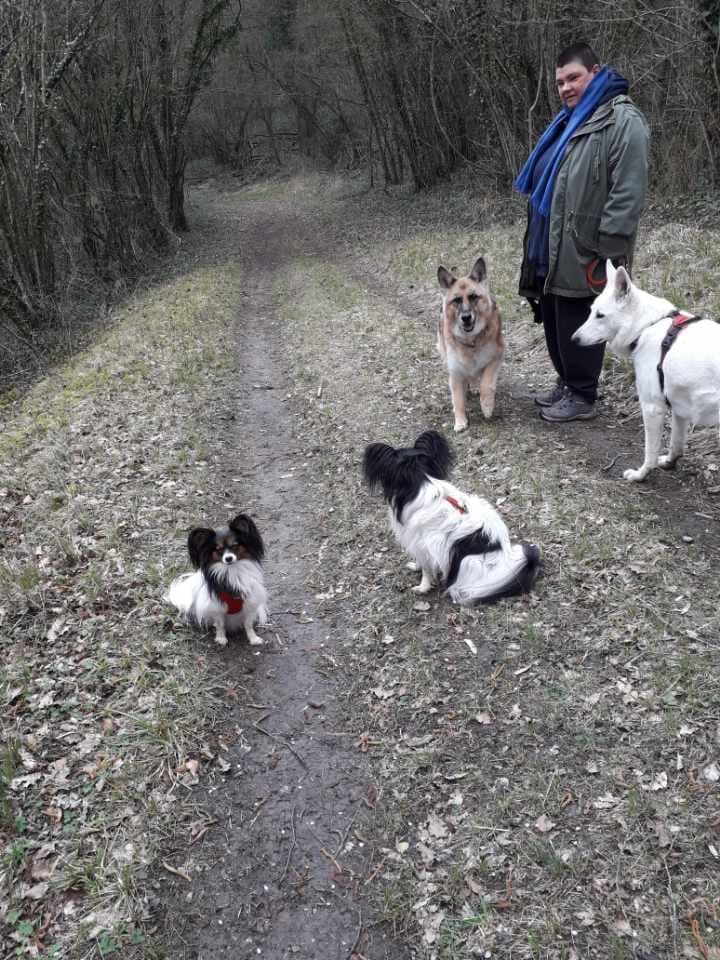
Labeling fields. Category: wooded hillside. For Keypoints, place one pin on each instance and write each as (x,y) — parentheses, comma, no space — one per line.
(104,103)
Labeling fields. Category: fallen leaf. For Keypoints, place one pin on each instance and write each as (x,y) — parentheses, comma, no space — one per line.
(659,782)
(56,629)
(544,824)
(586,917)
(663,834)
(622,928)
(36,892)
(436,827)
(712,772)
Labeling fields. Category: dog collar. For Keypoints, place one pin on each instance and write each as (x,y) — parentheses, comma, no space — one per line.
(679,319)
(460,507)
(233,604)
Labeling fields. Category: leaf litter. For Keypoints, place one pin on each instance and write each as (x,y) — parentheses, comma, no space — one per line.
(576,830)
(102,697)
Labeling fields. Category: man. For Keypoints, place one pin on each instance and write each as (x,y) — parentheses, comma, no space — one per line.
(586,180)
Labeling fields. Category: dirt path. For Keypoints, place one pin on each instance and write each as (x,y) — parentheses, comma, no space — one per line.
(282,872)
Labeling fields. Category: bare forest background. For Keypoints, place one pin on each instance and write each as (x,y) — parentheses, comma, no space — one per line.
(104,104)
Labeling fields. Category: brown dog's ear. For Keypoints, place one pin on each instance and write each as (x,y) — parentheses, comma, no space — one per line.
(479,271)
(445,278)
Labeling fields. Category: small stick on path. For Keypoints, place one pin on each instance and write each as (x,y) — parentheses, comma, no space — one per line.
(353,948)
(178,873)
(290,851)
(284,742)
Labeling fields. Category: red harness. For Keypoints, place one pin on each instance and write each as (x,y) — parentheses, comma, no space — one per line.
(233,604)
(460,507)
(680,320)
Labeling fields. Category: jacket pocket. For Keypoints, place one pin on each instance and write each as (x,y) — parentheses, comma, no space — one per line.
(585,231)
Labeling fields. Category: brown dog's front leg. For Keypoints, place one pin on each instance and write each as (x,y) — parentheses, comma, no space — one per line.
(488,385)
(457,393)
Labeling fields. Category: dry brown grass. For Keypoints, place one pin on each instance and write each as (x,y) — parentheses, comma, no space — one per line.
(103,466)
(556,793)
(553,795)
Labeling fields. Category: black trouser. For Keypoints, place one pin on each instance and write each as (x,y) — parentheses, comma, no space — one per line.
(577,367)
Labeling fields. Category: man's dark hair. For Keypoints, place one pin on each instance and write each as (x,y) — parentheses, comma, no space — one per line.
(580,52)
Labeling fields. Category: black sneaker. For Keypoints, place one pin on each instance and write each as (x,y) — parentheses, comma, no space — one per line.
(549,397)
(569,407)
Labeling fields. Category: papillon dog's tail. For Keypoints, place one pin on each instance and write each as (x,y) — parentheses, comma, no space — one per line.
(501,573)
(183,591)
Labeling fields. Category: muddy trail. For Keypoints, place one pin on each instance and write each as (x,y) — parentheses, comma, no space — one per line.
(283,871)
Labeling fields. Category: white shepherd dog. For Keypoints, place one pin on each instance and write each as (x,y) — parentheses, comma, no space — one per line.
(683,374)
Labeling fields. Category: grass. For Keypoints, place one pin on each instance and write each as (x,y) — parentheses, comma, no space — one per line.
(101,704)
(592,704)
(588,683)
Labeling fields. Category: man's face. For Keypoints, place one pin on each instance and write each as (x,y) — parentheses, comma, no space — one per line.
(571,81)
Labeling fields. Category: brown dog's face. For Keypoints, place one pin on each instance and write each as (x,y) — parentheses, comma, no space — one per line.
(468,303)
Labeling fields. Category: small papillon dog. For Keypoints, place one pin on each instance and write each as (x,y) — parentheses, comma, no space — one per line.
(227,588)
(457,540)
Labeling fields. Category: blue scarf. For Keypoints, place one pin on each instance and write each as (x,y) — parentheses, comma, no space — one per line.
(603,87)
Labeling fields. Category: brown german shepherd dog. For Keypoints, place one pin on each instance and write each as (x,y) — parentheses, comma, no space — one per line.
(470,339)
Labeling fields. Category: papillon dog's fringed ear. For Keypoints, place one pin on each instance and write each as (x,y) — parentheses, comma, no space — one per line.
(378,462)
(200,541)
(248,535)
(437,457)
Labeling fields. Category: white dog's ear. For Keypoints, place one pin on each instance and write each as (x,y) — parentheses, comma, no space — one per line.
(445,278)
(609,270)
(622,282)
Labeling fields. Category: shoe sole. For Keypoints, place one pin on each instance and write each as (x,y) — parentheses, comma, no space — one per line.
(590,415)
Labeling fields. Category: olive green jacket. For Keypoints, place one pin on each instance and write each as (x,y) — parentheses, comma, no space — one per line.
(597,200)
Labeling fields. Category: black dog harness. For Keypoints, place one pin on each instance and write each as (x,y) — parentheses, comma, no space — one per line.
(680,320)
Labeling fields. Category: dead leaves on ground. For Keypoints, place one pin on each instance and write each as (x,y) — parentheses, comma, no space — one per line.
(103,699)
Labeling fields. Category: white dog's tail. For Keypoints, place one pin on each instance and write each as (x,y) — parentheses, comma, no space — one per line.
(183,591)
(502,573)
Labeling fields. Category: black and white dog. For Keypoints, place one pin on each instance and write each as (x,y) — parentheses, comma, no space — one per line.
(458,540)
(227,588)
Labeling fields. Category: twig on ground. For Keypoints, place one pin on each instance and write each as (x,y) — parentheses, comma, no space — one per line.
(283,741)
(352,952)
(609,466)
(178,873)
(332,859)
(257,814)
(344,836)
(375,872)
(697,937)
(290,851)
(202,831)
